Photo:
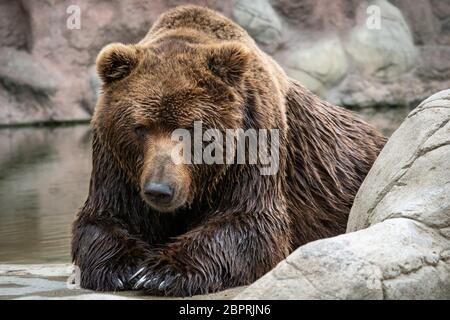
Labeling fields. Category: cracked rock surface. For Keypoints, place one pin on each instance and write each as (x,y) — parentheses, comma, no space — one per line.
(411,177)
(397,244)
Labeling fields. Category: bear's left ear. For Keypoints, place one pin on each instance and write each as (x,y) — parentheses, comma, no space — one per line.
(228,61)
(116,61)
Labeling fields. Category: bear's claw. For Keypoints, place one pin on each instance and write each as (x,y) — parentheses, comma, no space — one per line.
(138,285)
(120,285)
(136,274)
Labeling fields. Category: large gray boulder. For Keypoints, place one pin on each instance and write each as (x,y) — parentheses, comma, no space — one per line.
(398,240)
(260,20)
(385,50)
(411,178)
(19,70)
(312,65)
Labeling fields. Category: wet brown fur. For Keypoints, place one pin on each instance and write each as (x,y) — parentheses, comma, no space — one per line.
(236,224)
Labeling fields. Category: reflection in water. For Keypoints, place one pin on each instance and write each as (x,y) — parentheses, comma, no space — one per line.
(44,179)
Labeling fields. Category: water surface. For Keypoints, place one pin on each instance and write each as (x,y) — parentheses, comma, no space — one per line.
(44,179)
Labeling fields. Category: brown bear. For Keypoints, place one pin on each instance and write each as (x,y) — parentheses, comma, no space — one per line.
(185,229)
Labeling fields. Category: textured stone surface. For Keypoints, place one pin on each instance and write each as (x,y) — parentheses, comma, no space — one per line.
(398,240)
(313,67)
(14,26)
(20,71)
(384,52)
(421,19)
(38,29)
(396,259)
(411,177)
(434,63)
(400,64)
(260,20)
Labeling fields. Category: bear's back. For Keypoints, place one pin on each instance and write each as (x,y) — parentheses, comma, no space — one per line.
(200,25)
(196,19)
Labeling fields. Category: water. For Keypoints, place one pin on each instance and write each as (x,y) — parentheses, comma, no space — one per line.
(44,179)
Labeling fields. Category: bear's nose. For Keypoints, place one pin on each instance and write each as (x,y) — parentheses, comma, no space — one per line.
(158,192)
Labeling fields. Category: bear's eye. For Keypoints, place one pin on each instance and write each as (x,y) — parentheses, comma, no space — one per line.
(140,131)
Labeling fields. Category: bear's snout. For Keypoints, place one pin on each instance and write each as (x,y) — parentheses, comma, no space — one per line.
(163,195)
(164,184)
(159,192)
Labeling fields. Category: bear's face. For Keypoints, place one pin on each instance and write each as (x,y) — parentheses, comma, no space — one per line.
(149,92)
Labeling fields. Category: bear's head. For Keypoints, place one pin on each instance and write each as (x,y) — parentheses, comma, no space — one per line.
(151,90)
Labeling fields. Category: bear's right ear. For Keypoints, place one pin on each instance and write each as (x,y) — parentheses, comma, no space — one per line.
(116,61)
(228,61)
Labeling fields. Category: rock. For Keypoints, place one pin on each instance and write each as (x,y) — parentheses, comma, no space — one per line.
(309,15)
(27,87)
(434,63)
(420,18)
(396,259)
(14,25)
(411,177)
(313,67)
(39,270)
(385,52)
(441,11)
(378,67)
(432,72)
(359,92)
(260,20)
(397,244)
(19,70)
